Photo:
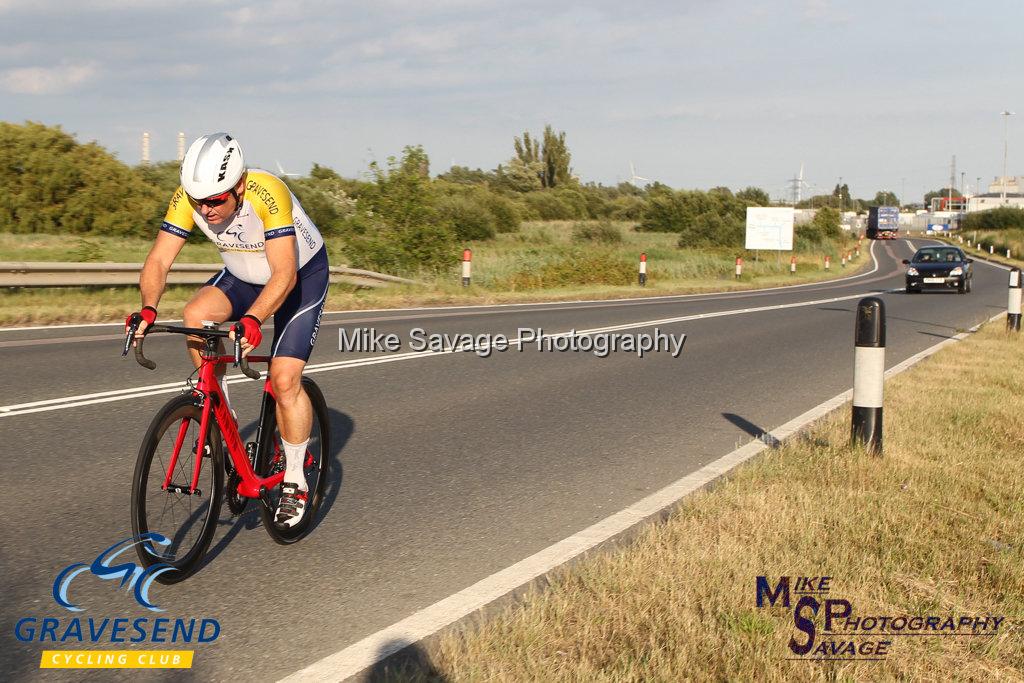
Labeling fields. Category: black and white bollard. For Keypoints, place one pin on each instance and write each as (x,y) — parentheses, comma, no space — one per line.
(843,264)
(991,249)
(1007,253)
(467,266)
(1013,307)
(643,269)
(739,267)
(868,374)
(792,265)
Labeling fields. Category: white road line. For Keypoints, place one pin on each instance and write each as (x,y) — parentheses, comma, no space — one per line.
(911,244)
(666,297)
(429,620)
(173,387)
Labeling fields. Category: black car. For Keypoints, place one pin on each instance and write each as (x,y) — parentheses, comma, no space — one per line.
(939,268)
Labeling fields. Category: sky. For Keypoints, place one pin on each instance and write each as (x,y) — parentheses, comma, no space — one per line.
(694,94)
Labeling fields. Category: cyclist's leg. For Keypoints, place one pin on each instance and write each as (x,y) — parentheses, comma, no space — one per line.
(296,324)
(224,297)
(209,303)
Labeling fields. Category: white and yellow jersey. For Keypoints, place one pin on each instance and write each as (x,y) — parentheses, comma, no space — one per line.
(268,210)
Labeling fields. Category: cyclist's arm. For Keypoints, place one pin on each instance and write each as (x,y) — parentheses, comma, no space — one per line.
(154,272)
(177,225)
(283,257)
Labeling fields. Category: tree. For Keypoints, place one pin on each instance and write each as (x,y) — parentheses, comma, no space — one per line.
(54,184)
(754,196)
(826,222)
(551,161)
(841,193)
(463,175)
(556,159)
(884,198)
(397,226)
(520,176)
(527,148)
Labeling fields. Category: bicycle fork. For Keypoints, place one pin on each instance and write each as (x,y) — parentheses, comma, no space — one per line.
(201,446)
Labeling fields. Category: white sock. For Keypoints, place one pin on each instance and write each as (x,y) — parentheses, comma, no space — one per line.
(294,456)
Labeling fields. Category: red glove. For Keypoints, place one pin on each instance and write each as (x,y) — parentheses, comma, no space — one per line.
(251,329)
(148,313)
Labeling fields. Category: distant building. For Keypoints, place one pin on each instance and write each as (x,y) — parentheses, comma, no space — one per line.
(1010,185)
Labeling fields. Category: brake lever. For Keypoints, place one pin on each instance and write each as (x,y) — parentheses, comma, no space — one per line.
(133,327)
(238,330)
(128,340)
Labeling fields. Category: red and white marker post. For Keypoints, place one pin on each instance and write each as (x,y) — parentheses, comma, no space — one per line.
(828,262)
(467,266)
(739,267)
(792,265)
(844,260)
(643,269)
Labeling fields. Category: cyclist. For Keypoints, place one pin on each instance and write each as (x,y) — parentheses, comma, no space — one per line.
(275,263)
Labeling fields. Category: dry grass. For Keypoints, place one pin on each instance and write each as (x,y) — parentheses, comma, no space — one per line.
(1001,240)
(539,263)
(935,527)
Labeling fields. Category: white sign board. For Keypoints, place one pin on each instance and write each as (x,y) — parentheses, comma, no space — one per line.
(770,227)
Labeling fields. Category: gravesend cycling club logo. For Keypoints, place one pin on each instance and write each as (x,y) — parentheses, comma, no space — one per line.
(137,579)
(828,629)
(128,579)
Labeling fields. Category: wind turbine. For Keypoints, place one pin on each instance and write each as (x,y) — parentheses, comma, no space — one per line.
(280,169)
(634,177)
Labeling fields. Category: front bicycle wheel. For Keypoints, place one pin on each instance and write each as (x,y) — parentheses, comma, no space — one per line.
(271,460)
(185,520)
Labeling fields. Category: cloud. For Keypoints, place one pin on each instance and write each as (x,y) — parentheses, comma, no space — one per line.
(40,80)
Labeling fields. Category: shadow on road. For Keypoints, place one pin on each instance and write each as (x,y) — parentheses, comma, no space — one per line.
(932,334)
(752,429)
(410,662)
(342,428)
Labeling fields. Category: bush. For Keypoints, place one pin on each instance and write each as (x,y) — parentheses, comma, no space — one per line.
(551,205)
(711,229)
(1003,218)
(602,232)
(53,184)
(506,213)
(824,226)
(569,267)
(627,208)
(397,227)
(470,219)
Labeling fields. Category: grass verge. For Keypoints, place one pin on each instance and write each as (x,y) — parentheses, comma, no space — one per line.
(541,262)
(1001,240)
(936,526)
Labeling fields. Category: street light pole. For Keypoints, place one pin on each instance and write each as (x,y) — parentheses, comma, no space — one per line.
(1006,114)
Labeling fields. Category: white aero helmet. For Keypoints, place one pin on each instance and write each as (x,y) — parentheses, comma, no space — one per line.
(212,165)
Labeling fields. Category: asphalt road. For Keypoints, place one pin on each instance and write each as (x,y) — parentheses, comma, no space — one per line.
(446,467)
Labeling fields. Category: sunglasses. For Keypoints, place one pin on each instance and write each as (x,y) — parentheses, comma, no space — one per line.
(214,201)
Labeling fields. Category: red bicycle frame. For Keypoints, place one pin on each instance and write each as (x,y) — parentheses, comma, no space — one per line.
(214,405)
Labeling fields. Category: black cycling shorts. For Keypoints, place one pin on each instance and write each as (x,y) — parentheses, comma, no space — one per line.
(298,320)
